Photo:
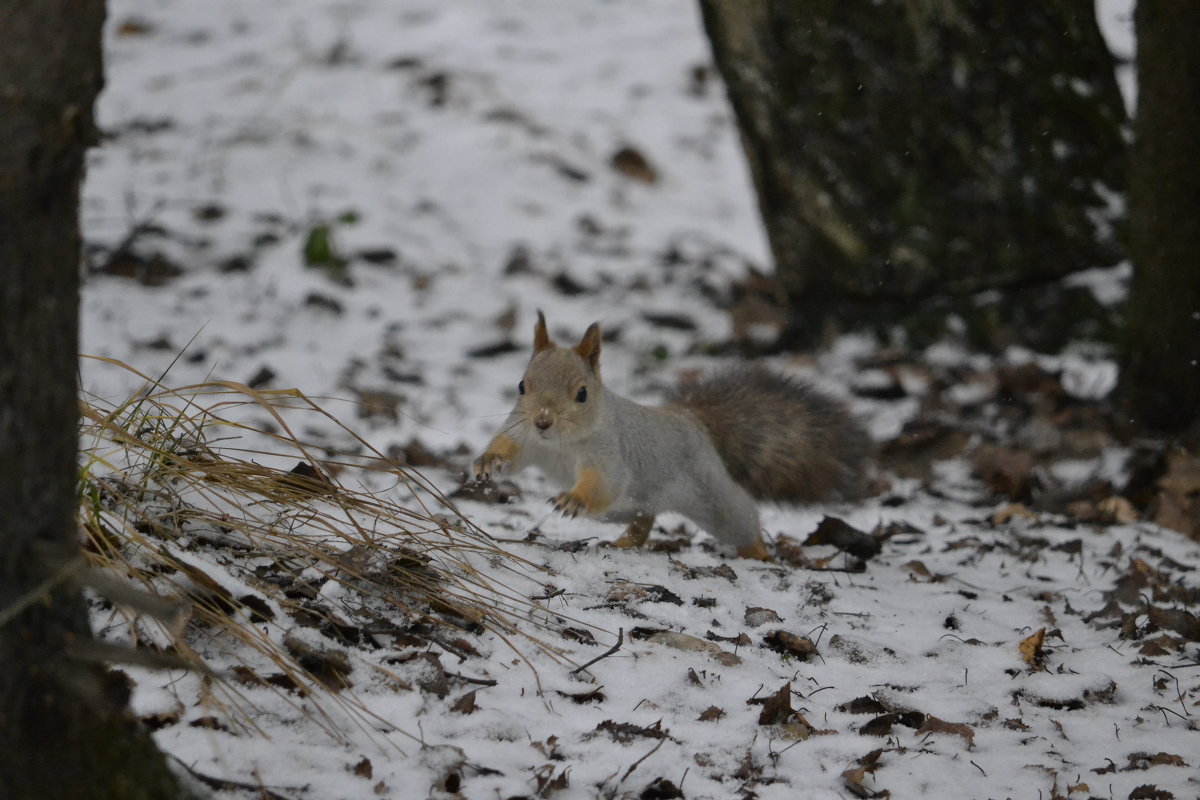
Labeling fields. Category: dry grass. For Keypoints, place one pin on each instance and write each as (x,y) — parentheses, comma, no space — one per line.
(295,577)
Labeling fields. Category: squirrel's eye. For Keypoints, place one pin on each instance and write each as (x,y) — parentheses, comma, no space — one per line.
(521,387)
(581,395)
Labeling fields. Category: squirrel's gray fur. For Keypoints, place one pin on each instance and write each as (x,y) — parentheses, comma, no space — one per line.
(779,438)
(745,433)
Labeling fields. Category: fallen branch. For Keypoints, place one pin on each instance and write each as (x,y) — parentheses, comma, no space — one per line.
(611,650)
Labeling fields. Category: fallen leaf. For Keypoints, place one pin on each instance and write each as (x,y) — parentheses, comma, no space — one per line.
(852,778)
(1005,515)
(1006,471)
(626,732)
(882,725)
(1031,649)
(632,164)
(760,616)
(682,641)
(863,705)
(1183,622)
(330,667)
(1118,509)
(837,532)
(593,696)
(465,704)
(777,708)
(1142,761)
(660,789)
(934,725)
(790,644)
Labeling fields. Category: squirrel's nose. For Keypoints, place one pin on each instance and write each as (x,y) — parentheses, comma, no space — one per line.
(543,421)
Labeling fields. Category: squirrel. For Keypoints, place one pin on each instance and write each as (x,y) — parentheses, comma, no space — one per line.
(716,447)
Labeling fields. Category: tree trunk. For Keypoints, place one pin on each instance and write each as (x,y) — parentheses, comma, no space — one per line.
(65,731)
(910,156)
(1161,370)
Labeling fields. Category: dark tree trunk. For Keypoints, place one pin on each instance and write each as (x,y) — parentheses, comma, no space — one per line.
(909,156)
(1161,370)
(65,731)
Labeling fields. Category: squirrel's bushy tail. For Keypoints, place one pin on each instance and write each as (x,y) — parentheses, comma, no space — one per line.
(779,438)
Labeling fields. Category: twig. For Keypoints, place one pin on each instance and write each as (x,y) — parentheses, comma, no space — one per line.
(1178,692)
(224,784)
(653,750)
(468,679)
(611,650)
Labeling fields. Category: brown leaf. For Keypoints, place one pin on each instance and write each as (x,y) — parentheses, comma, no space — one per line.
(660,789)
(246,676)
(1161,646)
(379,404)
(852,778)
(711,714)
(363,768)
(1006,471)
(799,647)
(841,535)
(1183,622)
(626,732)
(882,725)
(330,667)
(548,783)
(921,444)
(1004,515)
(935,725)
(579,698)
(1031,649)
(302,480)
(210,722)
(1141,761)
(490,491)
(465,704)
(1172,511)
(161,720)
(1118,509)
(919,572)
(756,616)
(1183,474)
(777,708)
(632,164)
(863,705)
(789,551)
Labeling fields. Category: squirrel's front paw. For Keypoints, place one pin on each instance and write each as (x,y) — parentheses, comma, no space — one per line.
(568,504)
(490,465)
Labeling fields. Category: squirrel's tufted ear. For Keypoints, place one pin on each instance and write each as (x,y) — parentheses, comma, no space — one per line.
(541,338)
(589,347)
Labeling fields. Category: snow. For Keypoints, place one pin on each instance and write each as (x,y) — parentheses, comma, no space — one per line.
(471,137)
(1116,25)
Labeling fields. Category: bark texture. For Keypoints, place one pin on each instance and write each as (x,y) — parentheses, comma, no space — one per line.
(1161,370)
(65,731)
(909,156)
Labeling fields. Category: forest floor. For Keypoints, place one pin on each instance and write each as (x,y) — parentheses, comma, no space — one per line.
(368,201)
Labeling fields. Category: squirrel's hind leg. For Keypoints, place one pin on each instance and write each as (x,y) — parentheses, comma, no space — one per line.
(637,533)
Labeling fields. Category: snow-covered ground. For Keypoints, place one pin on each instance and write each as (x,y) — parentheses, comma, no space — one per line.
(472,162)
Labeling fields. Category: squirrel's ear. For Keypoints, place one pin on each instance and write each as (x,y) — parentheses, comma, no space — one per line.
(541,337)
(589,347)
